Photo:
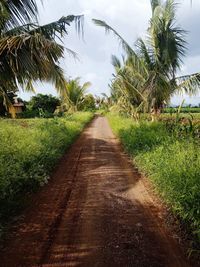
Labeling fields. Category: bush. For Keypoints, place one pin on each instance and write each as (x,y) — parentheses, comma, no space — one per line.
(171,162)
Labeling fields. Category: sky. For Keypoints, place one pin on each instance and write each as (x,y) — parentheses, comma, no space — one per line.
(130,19)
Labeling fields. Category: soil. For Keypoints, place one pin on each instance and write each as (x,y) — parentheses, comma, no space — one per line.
(95,212)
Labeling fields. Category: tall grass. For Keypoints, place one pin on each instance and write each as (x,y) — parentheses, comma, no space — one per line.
(171,161)
(29,151)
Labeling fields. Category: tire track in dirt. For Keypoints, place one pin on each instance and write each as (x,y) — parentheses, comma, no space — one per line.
(95,211)
(63,205)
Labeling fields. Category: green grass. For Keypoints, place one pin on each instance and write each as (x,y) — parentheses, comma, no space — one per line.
(171,116)
(195,116)
(170,161)
(183,110)
(29,151)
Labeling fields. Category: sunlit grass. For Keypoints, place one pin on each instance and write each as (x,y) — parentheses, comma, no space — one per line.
(29,151)
(171,162)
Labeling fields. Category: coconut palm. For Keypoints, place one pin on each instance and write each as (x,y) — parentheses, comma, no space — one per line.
(126,88)
(28,51)
(153,64)
(73,95)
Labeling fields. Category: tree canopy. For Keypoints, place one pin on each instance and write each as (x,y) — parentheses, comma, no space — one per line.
(73,96)
(147,76)
(28,51)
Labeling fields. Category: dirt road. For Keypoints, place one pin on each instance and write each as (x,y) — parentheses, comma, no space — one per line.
(94,212)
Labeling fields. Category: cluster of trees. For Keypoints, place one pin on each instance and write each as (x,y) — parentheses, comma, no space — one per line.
(144,79)
(73,98)
(146,76)
(30,52)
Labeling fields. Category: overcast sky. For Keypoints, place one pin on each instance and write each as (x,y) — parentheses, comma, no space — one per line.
(130,19)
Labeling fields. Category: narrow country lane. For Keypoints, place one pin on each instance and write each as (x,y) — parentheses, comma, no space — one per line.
(94,212)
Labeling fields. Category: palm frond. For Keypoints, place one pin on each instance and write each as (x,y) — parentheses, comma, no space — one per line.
(115,62)
(109,29)
(16,12)
(134,88)
(6,101)
(56,29)
(86,85)
(28,58)
(189,84)
(154,4)
(145,52)
(29,53)
(74,93)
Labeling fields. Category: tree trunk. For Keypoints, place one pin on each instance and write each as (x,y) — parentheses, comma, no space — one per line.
(155,113)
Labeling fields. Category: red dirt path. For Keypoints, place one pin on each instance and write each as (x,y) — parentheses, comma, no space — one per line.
(95,211)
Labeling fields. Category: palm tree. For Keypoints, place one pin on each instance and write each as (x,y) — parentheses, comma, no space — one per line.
(126,88)
(28,51)
(153,65)
(73,95)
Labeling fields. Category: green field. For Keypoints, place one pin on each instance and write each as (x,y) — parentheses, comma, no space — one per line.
(29,151)
(183,110)
(172,116)
(195,116)
(170,159)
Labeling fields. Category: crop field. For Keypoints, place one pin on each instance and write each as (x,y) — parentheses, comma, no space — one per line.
(195,116)
(191,110)
(171,159)
(29,151)
(172,116)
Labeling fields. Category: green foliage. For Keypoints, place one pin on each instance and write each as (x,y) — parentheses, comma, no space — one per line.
(29,152)
(72,97)
(171,116)
(145,79)
(29,51)
(45,102)
(183,110)
(40,113)
(41,106)
(10,99)
(171,161)
(88,103)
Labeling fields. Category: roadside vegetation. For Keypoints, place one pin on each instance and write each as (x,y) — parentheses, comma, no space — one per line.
(163,142)
(189,110)
(40,105)
(74,95)
(193,118)
(170,157)
(30,148)
(29,151)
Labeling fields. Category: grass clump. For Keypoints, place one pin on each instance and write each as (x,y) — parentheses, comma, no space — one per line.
(170,161)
